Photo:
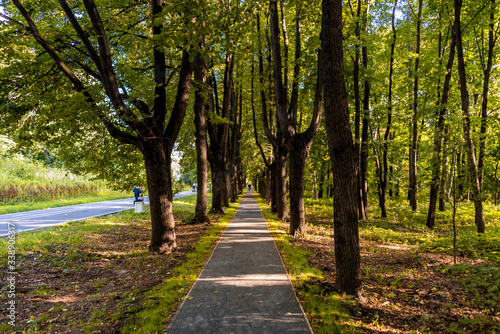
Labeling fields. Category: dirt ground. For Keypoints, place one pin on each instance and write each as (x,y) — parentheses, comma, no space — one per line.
(101,291)
(407,292)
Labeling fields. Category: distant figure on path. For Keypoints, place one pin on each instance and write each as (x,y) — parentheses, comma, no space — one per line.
(249,186)
(137,193)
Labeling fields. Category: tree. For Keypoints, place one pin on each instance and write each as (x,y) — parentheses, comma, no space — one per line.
(383,170)
(362,180)
(201,99)
(439,132)
(414,119)
(342,152)
(218,129)
(132,120)
(276,140)
(465,98)
(487,67)
(298,144)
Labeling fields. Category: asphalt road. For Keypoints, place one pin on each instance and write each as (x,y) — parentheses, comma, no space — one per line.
(36,219)
(184,194)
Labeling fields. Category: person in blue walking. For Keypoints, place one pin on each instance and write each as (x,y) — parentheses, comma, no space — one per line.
(137,193)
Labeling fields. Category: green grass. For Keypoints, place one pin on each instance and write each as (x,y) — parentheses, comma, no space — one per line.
(60,245)
(27,184)
(403,226)
(163,299)
(329,312)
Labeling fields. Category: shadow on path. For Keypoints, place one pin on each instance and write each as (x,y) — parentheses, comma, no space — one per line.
(244,287)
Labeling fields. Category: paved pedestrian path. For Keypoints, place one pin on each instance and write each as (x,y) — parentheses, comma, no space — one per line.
(244,287)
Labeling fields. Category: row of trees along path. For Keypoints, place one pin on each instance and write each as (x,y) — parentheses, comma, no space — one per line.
(131,69)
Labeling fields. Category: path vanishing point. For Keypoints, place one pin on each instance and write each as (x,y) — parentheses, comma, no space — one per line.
(244,287)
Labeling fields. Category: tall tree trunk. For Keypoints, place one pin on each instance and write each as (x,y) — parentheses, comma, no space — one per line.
(363,162)
(273,188)
(298,157)
(384,177)
(342,152)
(442,184)
(438,135)
(201,99)
(314,187)
(464,94)
(451,178)
(219,137)
(271,166)
(281,188)
(276,141)
(486,86)
(159,181)
(234,149)
(414,123)
(298,144)
(321,183)
(357,106)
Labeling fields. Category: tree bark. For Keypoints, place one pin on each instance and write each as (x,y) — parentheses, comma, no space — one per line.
(357,106)
(464,94)
(321,182)
(298,144)
(219,136)
(201,99)
(277,142)
(234,149)
(414,122)
(363,162)
(486,87)
(159,180)
(384,173)
(438,135)
(342,152)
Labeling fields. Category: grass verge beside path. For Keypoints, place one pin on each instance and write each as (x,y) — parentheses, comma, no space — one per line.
(327,311)
(410,284)
(29,206)
(96,276)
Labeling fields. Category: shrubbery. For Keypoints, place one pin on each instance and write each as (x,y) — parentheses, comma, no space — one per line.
(24,180)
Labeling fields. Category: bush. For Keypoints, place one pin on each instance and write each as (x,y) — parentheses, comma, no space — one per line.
(24,180)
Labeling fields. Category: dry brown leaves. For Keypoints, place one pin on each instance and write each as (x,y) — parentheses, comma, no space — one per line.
(102,288)
(405,292)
